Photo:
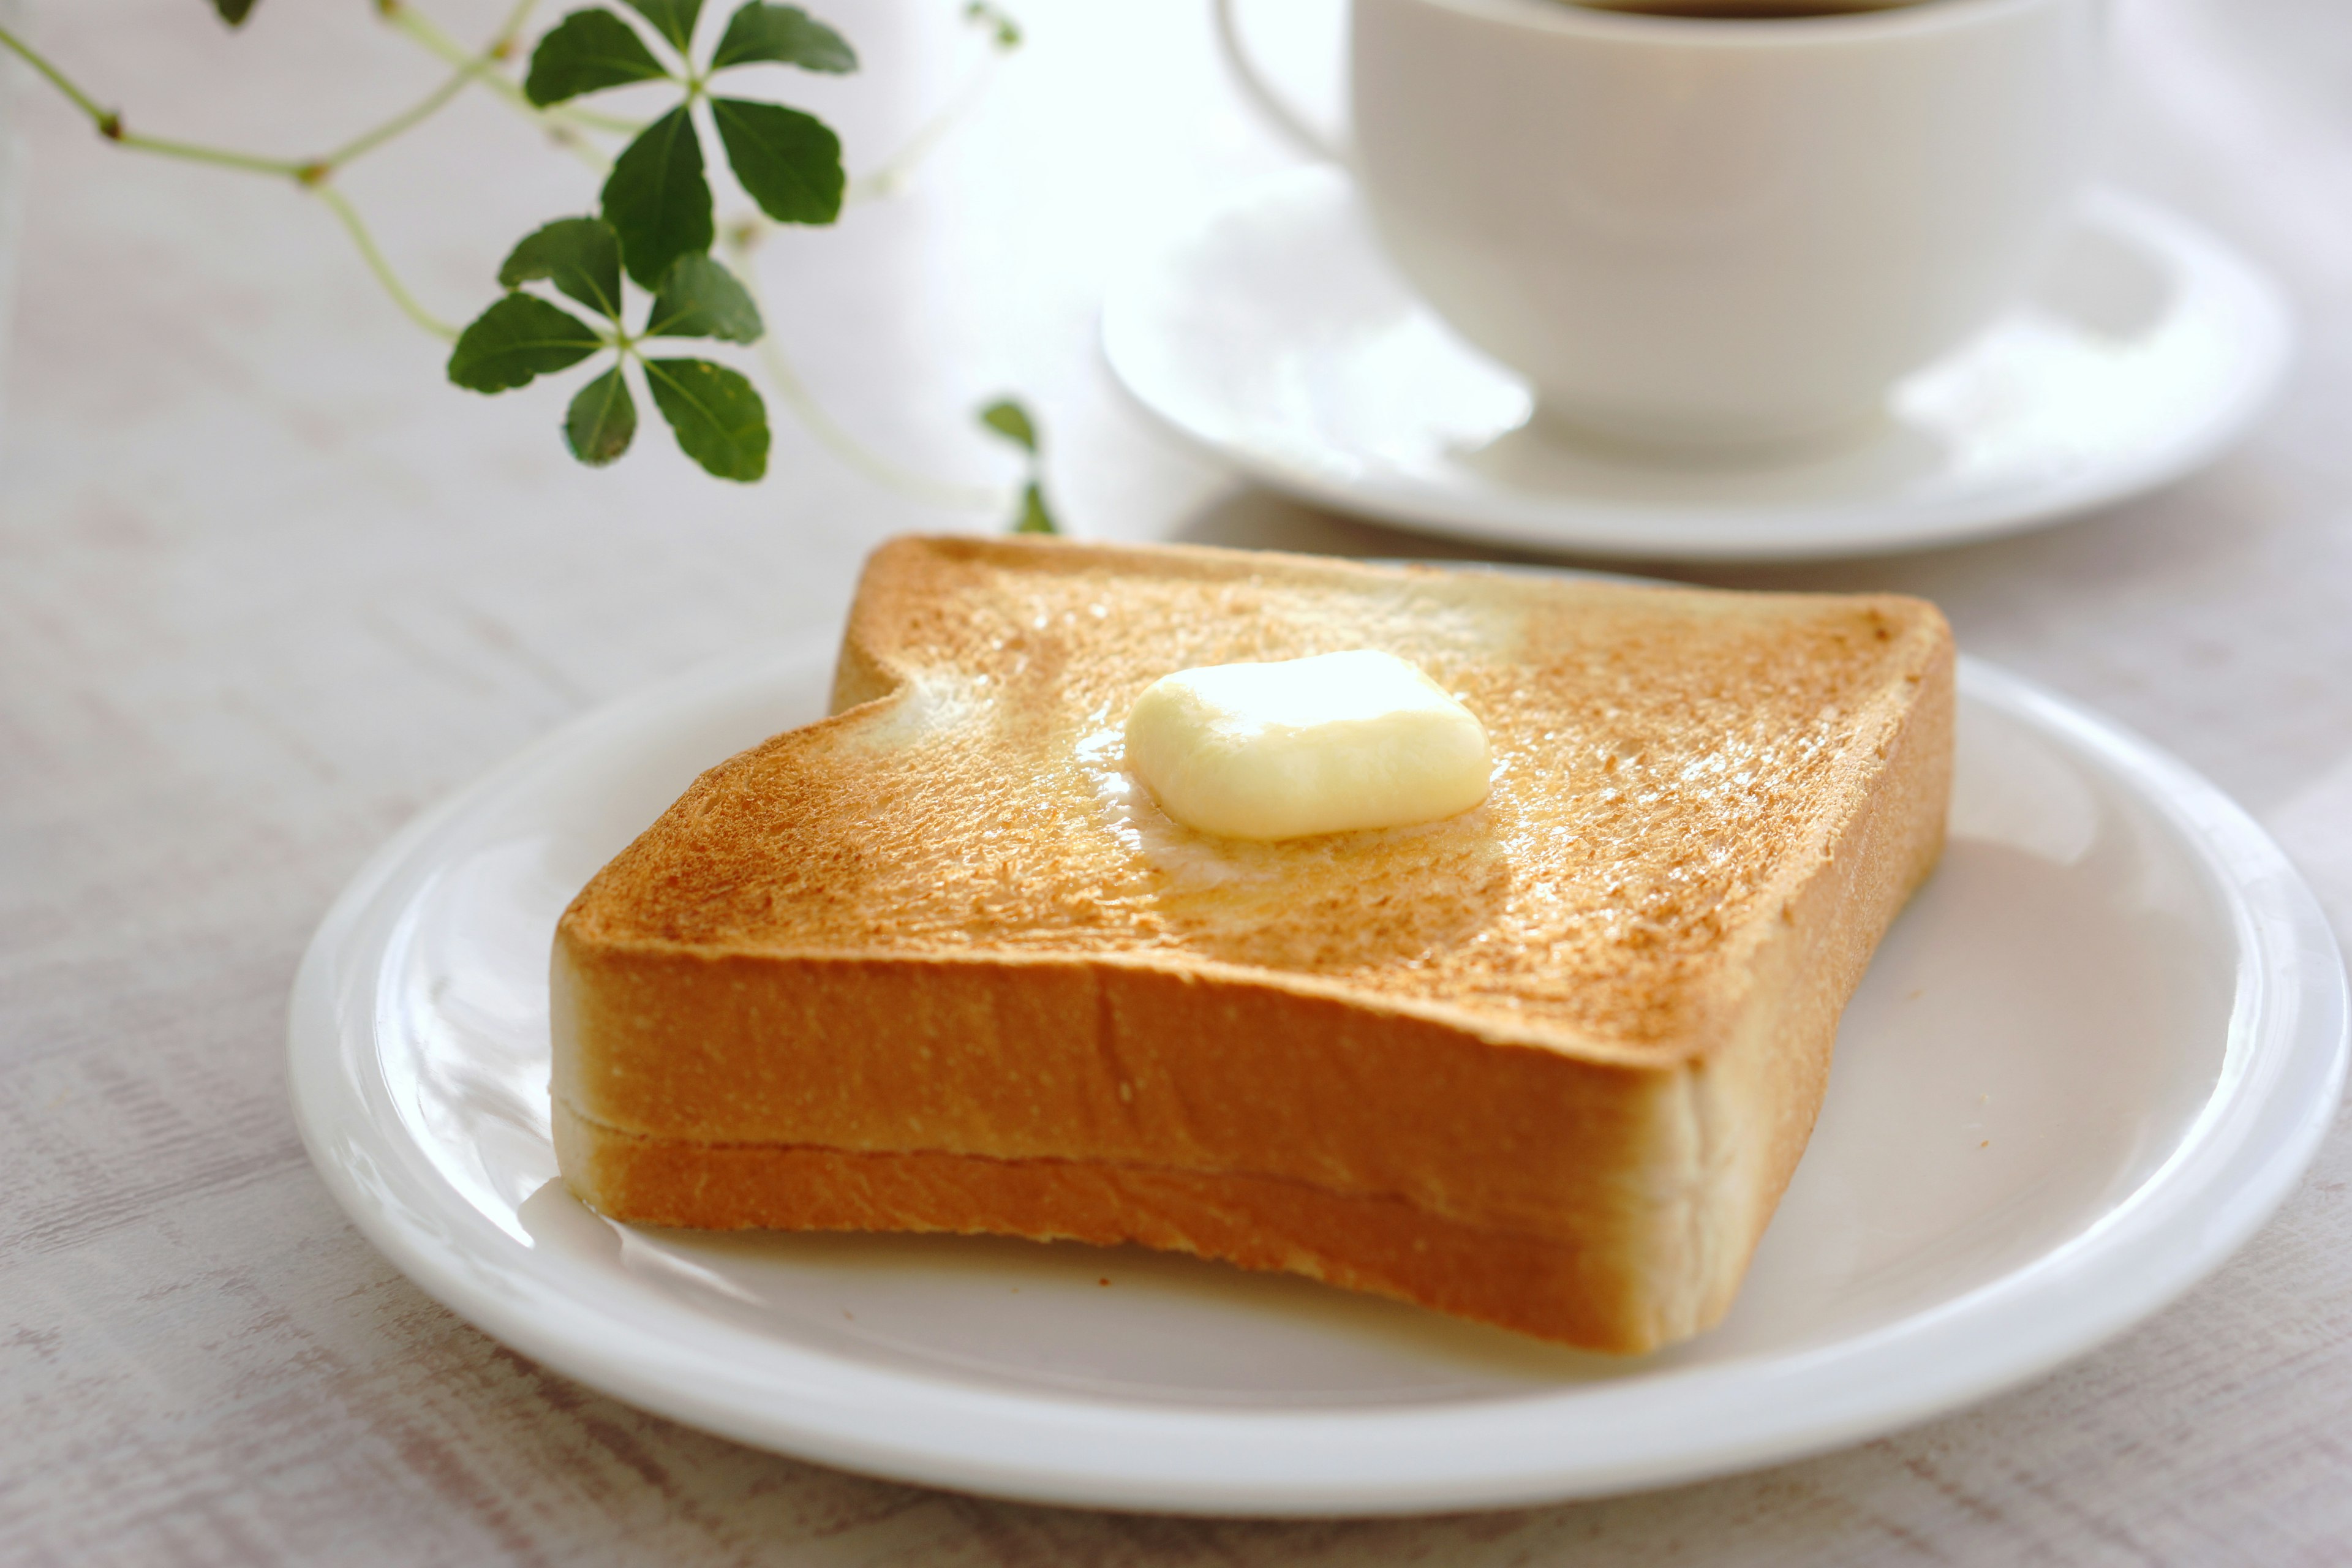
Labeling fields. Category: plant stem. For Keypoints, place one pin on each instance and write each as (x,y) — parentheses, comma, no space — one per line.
(408,120)
(851,451)
(561,123)
(33,57)
(343,209)
(110,123)
(310,175)
(422,29)
(895,170)
(219,157)
(512,28)
(470,69)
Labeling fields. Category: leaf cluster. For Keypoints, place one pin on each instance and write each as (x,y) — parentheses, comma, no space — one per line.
(655,225)
(1010,420)
(715,412)
(657,198)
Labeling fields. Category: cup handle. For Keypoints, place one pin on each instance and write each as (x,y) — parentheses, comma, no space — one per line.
(1262,93)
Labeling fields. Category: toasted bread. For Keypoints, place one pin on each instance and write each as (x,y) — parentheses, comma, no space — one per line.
(935,963)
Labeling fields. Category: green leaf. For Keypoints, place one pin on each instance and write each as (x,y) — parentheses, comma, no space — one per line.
(1007,30)
(700,299)
(673,19)
(716,413)
(785,34)
(581,256)
(788,161)
(602,421)
(657,198)
(1012,421)
(1035,518)
(233,11)
(519,337)
(587,52)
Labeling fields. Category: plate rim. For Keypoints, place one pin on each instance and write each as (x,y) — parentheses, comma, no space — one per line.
(2290,1021)
(2264,327)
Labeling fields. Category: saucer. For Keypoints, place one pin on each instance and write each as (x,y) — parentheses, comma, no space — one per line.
(2091,1057)
(1277,336)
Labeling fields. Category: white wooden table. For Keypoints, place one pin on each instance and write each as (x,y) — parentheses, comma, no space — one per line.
(267,586)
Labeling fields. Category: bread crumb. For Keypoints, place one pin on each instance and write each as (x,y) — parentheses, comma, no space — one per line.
(1986,1144)
(1102,1281)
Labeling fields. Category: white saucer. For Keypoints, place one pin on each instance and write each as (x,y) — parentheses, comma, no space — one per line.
(2091,1059)
(1277,337)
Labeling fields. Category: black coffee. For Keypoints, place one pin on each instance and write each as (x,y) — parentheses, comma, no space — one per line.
(1746,10)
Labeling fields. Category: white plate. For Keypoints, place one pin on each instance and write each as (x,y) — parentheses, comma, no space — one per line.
(2090,1061)
(1277,336)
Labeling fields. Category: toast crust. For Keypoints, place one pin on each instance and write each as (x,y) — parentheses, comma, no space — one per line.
(931,945)
(1361,1242)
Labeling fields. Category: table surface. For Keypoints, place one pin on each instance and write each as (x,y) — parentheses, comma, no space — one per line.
(268,586)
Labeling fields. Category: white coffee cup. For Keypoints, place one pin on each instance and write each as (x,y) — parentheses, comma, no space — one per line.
(1709,233)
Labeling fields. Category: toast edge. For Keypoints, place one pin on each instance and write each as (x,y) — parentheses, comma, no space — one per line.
(1751,1103)
(1719,1135)
(1532,1284)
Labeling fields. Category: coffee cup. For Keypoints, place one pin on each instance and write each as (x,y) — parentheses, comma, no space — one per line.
(1700,225)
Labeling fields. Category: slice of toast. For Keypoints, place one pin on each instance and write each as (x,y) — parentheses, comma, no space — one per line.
(937,962)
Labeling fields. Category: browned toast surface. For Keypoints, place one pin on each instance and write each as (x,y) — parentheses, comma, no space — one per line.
(1596,1009)
(1666,758)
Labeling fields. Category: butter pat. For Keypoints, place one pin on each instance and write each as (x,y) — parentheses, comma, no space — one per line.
(1325,744)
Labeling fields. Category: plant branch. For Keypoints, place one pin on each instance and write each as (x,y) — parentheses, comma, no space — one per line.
(851,451)
(349,215)
(193,152)
(408,119)
(560,121)
(58,78)
(310,175)
(511,29)
(110,124)
(470,69)
(893,172)
(466,73)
